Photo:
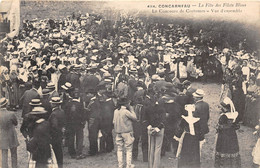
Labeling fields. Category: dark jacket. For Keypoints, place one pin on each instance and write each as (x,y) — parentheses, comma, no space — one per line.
(107,114)
(57,121)
(75,113)
(202,111)
(73,78)
(94,109)
(8,136)
(26,99)
(155,115)
(39,144)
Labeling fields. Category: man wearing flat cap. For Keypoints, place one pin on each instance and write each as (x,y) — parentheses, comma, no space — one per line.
(57,121)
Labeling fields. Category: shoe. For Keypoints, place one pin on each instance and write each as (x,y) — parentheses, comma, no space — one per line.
(91,154)
(82,156)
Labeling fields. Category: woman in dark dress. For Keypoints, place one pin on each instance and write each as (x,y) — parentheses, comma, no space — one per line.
(13,89)
(227,149)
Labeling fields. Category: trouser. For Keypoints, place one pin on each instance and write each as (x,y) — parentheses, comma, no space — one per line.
(106,144)
(57,148)
(13,157)
(169,142)
(154,148)
(93,128)
(144,140)
(41,165)
(127,140)
(72,132)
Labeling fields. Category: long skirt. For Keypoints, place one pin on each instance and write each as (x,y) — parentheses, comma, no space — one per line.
(13,95)
(227,150)
(190,152)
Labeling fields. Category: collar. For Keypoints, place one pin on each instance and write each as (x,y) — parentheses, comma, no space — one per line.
(76,100)
(35,89)
(199,101)
(55,108)
(93,98)
(40,121)
(123,107)
(108,99)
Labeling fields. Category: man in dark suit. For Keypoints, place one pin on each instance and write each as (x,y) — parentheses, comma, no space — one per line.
(75,124)
(92,105)
(89,80)
(140,131)
(202,112)
(107,112)
(63,77)
(27,97)
(73,77)
(57,121)
(39,143)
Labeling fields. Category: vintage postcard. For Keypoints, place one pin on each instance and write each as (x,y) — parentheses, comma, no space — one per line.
(109,84)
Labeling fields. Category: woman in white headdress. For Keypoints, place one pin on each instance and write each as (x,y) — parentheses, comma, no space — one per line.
(227,148)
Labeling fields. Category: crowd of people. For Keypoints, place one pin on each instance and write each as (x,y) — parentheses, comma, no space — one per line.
(129,76)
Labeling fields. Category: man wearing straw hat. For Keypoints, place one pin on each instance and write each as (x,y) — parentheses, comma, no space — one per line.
(8,136)
(39,143)
(201,111)
(57,121)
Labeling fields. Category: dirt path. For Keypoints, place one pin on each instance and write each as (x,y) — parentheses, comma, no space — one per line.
(246,143)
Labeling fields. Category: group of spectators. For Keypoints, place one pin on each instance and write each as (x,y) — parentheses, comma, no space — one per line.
(66,73)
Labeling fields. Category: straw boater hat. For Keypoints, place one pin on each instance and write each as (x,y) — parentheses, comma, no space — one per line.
(66,86)
(45,91)
(35,102)
(38,110)
(3,102)
(56,100)
(50,86)
(199,93)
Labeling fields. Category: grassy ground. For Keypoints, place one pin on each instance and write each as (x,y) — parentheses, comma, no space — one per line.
(245,137)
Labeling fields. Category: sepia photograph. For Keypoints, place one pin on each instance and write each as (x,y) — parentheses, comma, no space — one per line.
(129,84)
